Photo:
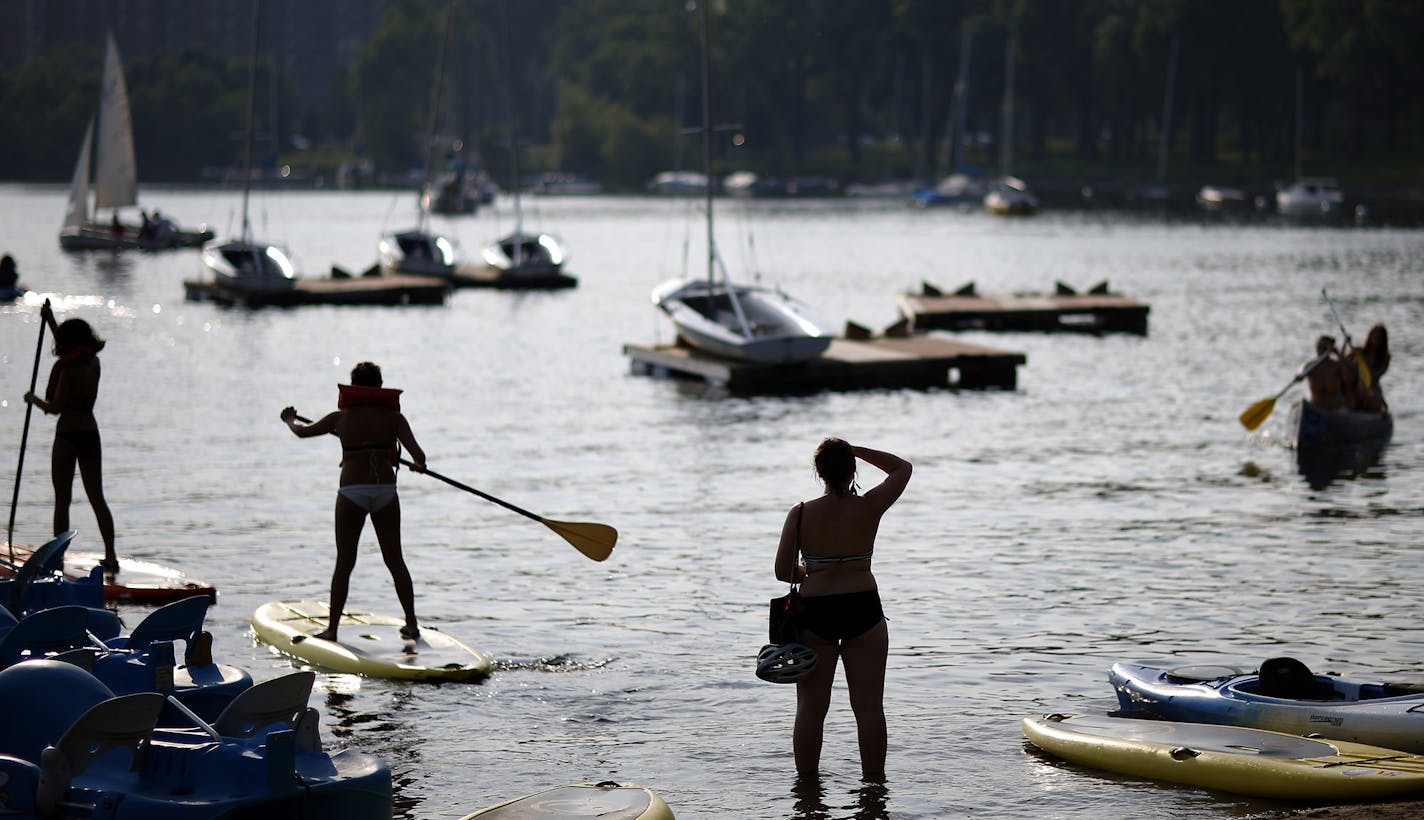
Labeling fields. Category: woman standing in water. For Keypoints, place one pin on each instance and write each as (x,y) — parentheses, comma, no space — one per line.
(71,392)
(369,423)
(842,616)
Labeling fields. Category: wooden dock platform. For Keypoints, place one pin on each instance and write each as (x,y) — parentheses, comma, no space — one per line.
(486,276)
(391,289)
(1096,311)
(914,361)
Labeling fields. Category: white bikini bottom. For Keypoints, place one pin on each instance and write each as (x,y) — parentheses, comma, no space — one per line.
(369,497)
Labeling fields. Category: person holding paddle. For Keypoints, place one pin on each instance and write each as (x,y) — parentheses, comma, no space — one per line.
(826,546)
(1332,382)
(372,429)
(71,393)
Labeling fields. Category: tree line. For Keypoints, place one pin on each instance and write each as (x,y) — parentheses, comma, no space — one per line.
(854,89)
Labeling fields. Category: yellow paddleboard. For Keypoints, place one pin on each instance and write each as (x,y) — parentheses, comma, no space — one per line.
(1229,758)
(605,801)
(370,644)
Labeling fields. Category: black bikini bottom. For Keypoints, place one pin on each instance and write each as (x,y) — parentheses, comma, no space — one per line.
(83,441)
(842,616)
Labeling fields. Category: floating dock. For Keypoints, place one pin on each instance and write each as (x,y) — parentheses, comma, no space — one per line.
(1096,311)
(392,289)
(486,276)
(915,361)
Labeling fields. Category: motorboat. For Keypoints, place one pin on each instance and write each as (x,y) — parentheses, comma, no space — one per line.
(77,750)
(956,189)
(1010,197)
(114,183)
(1283,695)
(1310,196)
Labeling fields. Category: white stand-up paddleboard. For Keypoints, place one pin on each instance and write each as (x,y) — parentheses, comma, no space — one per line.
(1230,758)
(369,644)
(605,801)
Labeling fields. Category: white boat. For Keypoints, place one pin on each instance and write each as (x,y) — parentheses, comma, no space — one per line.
(114,183)
(1220,198)
(523,255)
(244,265)
(742,322)
(1310,196)
(1010,197)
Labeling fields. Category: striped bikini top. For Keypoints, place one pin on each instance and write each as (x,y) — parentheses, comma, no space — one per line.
(819,559)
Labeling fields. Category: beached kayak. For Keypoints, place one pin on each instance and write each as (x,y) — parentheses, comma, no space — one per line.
(1283,696)
(606,801)
(1229,758)
(370,644)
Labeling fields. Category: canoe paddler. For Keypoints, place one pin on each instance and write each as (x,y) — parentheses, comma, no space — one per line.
(371,428)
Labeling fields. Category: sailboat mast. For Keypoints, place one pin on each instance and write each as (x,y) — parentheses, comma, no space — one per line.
(1006,137)
(251,113)
(707,130)
(518,249)
(435,114)
(1167,110)
(1299,116)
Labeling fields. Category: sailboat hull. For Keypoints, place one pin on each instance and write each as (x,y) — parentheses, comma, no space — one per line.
(781,329)
(525,256)
(100,237)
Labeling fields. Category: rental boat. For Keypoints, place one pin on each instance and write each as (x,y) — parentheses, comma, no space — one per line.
(1311,427)
(79,751)
(743,322)
(1282,696)
(115,181)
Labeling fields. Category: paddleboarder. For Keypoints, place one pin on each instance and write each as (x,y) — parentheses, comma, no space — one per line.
(370,425)
(842,616)
(71,392)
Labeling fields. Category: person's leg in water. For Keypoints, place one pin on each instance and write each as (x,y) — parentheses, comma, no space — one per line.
(387,523)
(350,519)
(91,471)
(813,700)
(865,657)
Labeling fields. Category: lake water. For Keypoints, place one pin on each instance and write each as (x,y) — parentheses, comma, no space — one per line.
(1110,508)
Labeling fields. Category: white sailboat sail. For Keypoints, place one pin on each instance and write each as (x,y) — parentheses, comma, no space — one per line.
(116,171)
(77,211)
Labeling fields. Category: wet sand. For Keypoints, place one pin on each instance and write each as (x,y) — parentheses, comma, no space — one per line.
(1394,810)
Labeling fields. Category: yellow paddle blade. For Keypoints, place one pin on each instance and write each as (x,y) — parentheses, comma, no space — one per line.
(594,540)
(1257,413)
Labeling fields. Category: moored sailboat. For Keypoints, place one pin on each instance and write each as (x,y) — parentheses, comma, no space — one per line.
(749,323)
(114,183)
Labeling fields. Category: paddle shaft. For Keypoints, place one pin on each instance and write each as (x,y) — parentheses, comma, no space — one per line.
(24,438)
(1333,312)
(453,483)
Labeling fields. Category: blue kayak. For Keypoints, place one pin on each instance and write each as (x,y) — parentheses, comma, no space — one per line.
(1282,696)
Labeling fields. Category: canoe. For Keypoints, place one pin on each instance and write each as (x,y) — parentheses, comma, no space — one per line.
(136,582)
(1309,427)
(1251,762)
(77,750)
(606,801)
(1283,697)
(370,644)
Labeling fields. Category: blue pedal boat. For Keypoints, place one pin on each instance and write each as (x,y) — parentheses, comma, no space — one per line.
(79,751)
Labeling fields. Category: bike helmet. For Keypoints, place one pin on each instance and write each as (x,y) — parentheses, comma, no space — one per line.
(785,663)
